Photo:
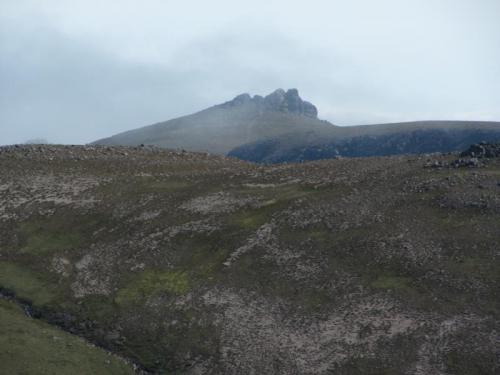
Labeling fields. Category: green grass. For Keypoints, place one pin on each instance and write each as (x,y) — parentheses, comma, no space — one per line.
(148,185)
(134,187)
(483,268)
(251,219)
(321,237)
(203,260)
(478,363)
(27,284)
(40,239)
(392,356)
(275,199)
(150,282)
(63,231)
(255,272)
(30,346)
(392,282)
(162,349)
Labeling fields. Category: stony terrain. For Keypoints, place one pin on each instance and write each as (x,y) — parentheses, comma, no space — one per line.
(190,263)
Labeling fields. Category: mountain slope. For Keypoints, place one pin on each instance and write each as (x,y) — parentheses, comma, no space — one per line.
(223,127)
(370,140)
(201,264)
(281,127)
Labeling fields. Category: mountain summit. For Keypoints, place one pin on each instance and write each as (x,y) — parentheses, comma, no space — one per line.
(279,101)
(223,127)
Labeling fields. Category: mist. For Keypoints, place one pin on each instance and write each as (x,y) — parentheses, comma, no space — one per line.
(76,71)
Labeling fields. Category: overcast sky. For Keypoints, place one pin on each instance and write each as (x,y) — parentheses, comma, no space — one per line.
(74,71)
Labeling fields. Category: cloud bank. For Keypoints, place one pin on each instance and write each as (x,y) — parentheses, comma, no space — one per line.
(75,71)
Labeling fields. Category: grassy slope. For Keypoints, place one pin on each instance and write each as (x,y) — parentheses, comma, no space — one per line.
(218,129)
(32,347)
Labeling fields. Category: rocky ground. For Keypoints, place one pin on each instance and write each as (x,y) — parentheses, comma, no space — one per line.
(199,264)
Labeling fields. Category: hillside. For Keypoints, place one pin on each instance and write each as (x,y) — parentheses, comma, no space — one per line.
(282,127)
(191,263)
(370,140)
(30,346)
(223,127)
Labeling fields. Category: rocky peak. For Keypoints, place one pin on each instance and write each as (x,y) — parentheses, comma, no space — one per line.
(291,102)
(279,100)
(242,99)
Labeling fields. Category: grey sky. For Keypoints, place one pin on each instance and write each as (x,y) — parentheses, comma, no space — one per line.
(77,70)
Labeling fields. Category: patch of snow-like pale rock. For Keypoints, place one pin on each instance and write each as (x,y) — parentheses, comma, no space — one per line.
(256,332)
(261,238)
(90,278)
(216,203)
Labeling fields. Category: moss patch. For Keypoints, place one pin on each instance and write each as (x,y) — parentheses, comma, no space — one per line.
(478,267)
(63,231)
(26,284)
(275,199)
(162,349)
(253,271)
(39,239)
(30,346)
(471,363)
(201,255)
(149,283)
(252,219)
(134,187)
(321,237)
(392,282)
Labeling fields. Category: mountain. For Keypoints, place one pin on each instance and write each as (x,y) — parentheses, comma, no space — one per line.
(282,127)
(370,140)
(223,127)
(188,263)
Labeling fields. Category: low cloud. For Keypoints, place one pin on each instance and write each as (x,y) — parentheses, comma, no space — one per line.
(75,74)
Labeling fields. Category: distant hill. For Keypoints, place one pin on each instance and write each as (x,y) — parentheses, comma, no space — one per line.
(370,140)
(223,127)
(281,127)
